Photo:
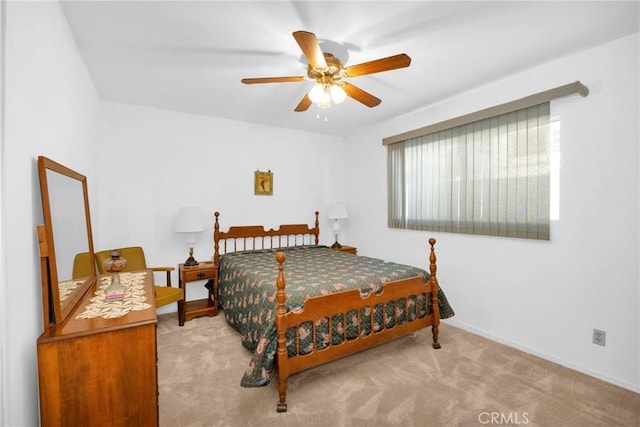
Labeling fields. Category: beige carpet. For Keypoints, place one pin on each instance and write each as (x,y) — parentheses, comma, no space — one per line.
(471,381)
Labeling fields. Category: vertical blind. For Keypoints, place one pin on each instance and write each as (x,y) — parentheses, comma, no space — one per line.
(490,177)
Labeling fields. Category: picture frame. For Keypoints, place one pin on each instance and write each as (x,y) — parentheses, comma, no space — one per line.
(263,183)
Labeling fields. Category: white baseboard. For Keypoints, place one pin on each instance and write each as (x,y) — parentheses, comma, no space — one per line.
(549,357)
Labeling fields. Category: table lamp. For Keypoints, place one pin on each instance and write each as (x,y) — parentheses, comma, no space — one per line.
(190,222)
(337,211)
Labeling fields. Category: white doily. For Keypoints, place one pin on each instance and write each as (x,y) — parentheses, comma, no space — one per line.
(134,297)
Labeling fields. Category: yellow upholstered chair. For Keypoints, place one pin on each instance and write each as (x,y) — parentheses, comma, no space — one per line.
(82,265)
(136,261)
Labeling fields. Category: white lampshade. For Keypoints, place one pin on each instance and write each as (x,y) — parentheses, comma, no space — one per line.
(338,211)
(189,220)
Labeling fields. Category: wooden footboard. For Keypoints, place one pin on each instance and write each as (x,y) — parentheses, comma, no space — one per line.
(351,301)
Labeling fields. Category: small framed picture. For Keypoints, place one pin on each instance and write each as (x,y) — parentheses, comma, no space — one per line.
(263,183)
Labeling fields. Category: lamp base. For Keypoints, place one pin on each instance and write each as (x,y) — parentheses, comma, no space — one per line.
(191,261)
(336,245)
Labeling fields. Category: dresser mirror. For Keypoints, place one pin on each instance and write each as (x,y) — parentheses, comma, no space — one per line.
(65,240)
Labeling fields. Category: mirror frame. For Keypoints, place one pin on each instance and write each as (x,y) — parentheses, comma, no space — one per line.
(55,311)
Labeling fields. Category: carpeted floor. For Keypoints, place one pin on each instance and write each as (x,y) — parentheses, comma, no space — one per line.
(471,381)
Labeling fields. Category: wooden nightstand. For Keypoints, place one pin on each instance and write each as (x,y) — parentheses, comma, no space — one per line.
(201,307)
(348,249)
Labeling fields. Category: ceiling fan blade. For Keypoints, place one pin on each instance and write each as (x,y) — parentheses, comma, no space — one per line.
(360,95)
(378,65)
(311,48)
(272,80)
(304,104)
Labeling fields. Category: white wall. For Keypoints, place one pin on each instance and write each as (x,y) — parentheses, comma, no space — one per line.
(137,178)
(52,109)
(4,321)
(154,161)
(138,181)
(541,296)
(142,164)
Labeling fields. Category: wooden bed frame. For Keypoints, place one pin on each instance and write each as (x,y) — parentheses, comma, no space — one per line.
(325,306)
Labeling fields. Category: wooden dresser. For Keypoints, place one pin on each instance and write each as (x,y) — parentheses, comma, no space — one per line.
(100,372)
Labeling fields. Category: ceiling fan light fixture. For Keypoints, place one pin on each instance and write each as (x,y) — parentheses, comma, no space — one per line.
(337,94)
(319,95)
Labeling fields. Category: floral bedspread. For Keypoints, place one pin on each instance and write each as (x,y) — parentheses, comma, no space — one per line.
(247,293)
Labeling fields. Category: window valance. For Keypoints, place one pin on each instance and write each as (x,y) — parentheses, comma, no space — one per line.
(519,104)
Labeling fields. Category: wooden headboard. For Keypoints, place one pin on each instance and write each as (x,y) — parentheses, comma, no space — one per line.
(249,237)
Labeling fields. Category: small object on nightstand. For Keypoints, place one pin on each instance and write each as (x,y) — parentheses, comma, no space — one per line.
(191,261)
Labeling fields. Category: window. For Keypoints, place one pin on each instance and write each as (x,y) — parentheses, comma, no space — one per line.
(489,177)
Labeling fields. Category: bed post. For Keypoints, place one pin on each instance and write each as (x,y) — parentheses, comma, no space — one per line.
(281,327)
(435,309)
(216,259)
(317,230)
(216,238)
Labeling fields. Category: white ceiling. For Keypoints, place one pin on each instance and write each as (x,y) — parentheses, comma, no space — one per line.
(190,56)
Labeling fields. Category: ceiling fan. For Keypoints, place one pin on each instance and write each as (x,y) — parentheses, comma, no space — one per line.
(330,75)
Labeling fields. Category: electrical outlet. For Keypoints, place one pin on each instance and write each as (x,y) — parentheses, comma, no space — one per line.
(599,337)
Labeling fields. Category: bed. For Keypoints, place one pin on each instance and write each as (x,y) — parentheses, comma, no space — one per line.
(298,304)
